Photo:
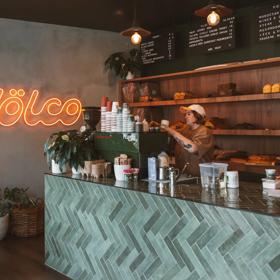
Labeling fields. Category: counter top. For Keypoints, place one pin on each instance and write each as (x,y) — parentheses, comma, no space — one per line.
(249,196)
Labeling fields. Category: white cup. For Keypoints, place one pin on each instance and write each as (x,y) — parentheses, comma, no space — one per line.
(270,173)
(232,179)
(115,106)
(164,123)
(118,169)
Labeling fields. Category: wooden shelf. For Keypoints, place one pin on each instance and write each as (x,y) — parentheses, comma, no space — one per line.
(251,168)
(246,132)
(248,167)
(224,99)
(212,69)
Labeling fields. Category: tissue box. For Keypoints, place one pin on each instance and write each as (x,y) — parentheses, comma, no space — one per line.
(270,184)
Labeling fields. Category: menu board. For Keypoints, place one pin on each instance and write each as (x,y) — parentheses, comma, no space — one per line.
(212,39)
(159,47)
(268,22)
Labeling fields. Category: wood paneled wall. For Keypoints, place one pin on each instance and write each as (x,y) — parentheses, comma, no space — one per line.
(265,114)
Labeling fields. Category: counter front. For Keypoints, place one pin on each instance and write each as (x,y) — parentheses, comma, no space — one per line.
(102,229)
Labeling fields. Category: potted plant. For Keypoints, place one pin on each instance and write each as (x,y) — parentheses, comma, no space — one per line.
(58,149)
(124,64)
(4,217)
(27,214)
(82,149)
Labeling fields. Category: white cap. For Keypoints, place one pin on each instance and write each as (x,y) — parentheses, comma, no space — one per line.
(195,107)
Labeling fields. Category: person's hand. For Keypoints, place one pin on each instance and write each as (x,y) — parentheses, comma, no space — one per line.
(167,129)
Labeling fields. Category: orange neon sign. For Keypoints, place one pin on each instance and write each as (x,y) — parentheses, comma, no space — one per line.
(51,112)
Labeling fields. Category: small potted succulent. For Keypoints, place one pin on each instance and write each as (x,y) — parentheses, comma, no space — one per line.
(124,64)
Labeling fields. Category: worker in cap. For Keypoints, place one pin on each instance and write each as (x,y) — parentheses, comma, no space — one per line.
(195,138)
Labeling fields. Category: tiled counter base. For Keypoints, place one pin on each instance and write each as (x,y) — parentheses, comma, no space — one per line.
(97,231)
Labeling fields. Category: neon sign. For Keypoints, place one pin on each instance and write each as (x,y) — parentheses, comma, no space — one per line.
(53,110)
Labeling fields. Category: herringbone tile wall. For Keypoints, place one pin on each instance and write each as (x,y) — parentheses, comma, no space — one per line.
(102,232)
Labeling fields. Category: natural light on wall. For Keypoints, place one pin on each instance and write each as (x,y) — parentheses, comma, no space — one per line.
(17,105)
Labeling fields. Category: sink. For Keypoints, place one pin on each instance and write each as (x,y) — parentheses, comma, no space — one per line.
(187,179)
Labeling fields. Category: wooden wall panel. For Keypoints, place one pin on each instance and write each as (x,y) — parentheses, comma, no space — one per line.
(265,114)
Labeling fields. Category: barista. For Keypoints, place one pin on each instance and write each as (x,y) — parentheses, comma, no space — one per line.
(195,138)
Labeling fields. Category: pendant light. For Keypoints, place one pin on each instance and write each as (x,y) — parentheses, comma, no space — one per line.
(213,12)
(135,32)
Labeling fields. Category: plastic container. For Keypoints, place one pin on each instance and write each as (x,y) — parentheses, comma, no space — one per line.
(211,173)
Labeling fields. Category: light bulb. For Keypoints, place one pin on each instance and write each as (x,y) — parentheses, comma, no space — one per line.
(213,18)
(136,38)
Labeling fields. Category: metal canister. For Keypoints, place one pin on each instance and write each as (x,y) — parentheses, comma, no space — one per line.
(172,175)
(139,127)
(163,173)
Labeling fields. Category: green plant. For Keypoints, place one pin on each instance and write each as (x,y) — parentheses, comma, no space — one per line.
(70,147)
(18,197)
(4,207)
(82,149)
(123,62)
(58,147)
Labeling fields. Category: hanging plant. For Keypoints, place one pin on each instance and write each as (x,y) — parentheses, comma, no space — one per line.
(120,63)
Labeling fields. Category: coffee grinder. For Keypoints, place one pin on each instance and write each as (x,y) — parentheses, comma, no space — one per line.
(91,117)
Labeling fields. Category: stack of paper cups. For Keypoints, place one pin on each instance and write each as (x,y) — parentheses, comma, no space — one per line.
(114,116)
(119,120)
(125,117)
(103,119)
(104,100)
(108,116)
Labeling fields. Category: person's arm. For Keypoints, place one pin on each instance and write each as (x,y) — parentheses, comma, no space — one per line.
(186,143)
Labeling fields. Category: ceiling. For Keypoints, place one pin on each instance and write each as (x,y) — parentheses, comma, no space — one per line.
(111,15)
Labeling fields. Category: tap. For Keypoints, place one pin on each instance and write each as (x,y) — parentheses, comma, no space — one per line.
(183,170)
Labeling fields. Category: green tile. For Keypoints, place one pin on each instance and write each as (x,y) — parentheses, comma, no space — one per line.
(123,255)
(193,276)
(231,241)
(151,221)
(176,207)
(253,222)
(207,236)
(204,262)
(275,263)
(177,228)
(152,268)
(201,229)
(234,268)
(256,248)
(171,273)
(183,255)
(174,252)
(140,258)
(116,210)
(269,253)
(195,211)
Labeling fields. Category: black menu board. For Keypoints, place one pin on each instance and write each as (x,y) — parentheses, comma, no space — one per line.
(159,47)
(268,22)
(212,39)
